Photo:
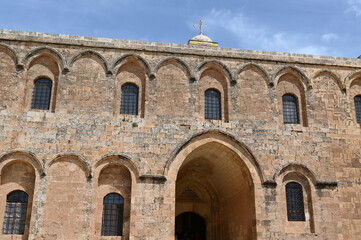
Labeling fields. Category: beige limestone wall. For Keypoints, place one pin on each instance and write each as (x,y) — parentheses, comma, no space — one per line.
(84,126)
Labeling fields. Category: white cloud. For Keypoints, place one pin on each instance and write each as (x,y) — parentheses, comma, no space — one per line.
(328,37)
(354,6)
(260,36)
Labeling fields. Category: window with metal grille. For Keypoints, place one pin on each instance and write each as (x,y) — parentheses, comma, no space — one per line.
(212,108)
(112,222)
(290,109)
(129,102)
(15,212)
(295,205)
(41,94)
(357,100)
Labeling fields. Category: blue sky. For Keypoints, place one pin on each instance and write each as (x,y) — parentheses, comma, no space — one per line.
(321,27)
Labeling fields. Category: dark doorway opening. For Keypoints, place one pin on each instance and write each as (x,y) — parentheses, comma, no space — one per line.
(190,225)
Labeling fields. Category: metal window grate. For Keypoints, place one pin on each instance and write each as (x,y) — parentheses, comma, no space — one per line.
(295,205)
(41,94)
(212,107)
(290,109)
(112,222)
(15,213)
(357,100)
(129,102)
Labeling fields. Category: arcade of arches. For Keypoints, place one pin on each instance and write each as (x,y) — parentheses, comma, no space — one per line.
(214,192)
(168,167)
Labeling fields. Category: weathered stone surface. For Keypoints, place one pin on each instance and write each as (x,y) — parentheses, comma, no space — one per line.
(169,159)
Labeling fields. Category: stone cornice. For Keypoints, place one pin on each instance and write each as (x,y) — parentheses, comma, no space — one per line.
(171,48)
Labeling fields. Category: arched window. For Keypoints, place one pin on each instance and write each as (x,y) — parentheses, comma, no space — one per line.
(129,102)
(212,108)
(15,212)
(357,100)
(41,94)
(290,109)
(112,222)
(295,204)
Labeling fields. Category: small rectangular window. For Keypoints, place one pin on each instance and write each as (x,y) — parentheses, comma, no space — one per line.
(129,102)
(41,94)
(290,109)
(212,108)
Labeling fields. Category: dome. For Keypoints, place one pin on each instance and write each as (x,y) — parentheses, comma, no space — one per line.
(201,38)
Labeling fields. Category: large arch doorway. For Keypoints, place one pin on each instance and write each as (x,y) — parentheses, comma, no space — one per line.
(215,183)
(190,225)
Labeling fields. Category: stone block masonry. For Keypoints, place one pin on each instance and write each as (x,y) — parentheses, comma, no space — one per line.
(176,171)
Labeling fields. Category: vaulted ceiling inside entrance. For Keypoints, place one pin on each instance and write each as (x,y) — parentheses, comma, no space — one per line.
(215,183)
(219,166)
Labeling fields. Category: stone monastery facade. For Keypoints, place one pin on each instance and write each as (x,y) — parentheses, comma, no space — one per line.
(221,143)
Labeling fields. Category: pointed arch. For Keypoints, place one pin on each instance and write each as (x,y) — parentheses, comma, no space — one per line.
(297,185)
(12,53)
(258,68)
(115,173)
(218,65)
(103,62)
(296,167)
(305,171)
(295,71)
(351,77)
(23,156)
(45,63)
(180,61)
(45,50)
(218,158)
(68,174)
(223,138)
(116,158)
(289,80)
(135,57)
(80,161)
(335,77)
(130,70)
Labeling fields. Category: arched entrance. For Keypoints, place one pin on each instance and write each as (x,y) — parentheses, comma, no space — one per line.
(190,224)
(214,182)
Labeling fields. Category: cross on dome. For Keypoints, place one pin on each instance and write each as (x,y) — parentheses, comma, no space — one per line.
(200,25)
(202,40)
